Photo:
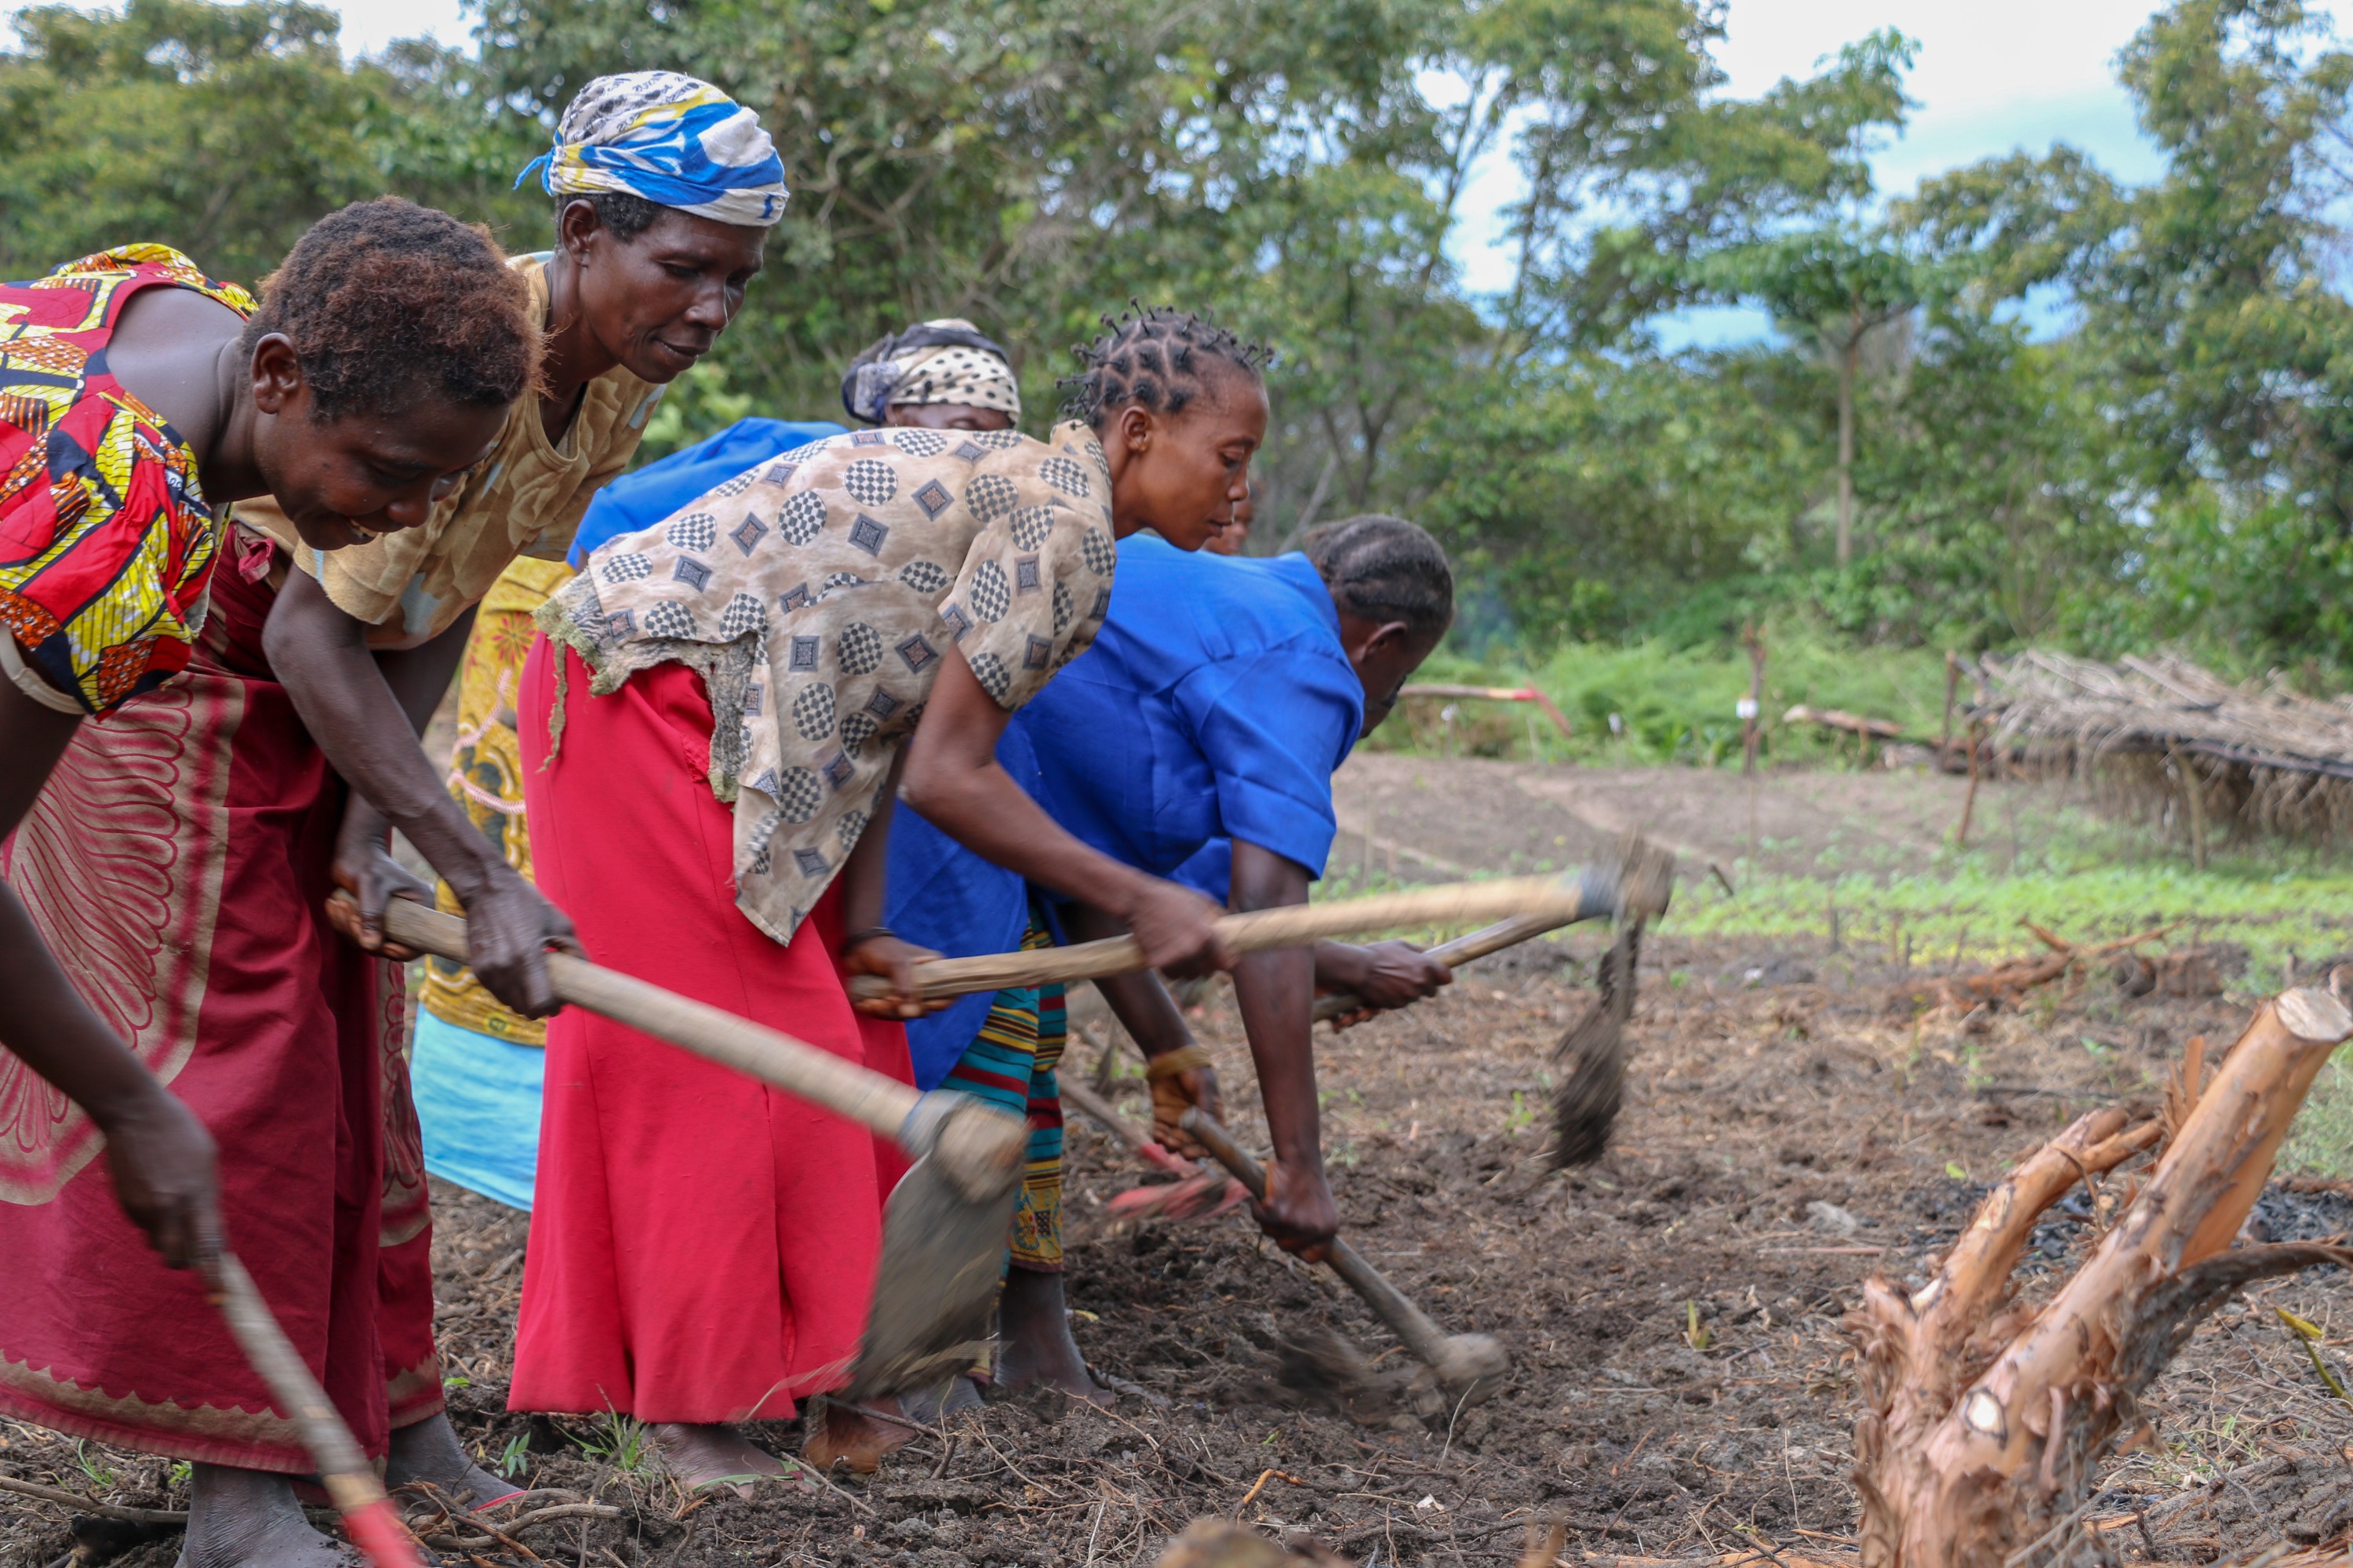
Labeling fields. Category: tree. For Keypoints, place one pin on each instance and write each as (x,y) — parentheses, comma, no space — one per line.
(223,130)
(2208,310)
(1836,284)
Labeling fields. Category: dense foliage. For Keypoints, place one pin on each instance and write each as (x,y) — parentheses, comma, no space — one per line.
(1919,457)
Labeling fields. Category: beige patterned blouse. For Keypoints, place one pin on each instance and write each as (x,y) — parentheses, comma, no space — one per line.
(524,500)
(817,594)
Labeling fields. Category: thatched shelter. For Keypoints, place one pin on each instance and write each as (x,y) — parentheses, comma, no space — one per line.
(2177,738)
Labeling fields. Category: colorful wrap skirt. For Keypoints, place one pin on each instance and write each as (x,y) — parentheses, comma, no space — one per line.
(1010,1063)
(178,864)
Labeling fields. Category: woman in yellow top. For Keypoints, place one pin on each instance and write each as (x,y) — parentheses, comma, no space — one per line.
(664,190)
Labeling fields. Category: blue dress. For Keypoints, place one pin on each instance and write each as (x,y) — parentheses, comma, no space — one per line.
(643,497)
(1215,705)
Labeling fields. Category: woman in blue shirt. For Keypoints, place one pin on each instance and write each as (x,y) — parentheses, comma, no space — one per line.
(1217,702)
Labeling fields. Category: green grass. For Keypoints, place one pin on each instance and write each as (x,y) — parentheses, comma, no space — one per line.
(620,1441)
(1974,913)
(1674,704)
(1972,916)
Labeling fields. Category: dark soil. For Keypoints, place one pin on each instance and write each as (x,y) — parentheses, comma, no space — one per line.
(1682,1386)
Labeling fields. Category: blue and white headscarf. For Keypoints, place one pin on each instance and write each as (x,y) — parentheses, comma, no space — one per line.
(670,139)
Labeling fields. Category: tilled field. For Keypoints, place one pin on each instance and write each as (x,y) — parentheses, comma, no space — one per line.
(1681,1387)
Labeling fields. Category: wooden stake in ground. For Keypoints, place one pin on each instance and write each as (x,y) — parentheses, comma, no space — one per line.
(1968,802)
(1983,1425)
(2193,795)
(1952,689)
(1752,711)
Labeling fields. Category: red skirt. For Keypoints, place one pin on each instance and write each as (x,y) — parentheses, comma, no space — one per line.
(178,864)
(702,1247)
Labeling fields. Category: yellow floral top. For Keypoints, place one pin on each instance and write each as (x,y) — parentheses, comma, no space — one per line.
(524,500)
(486,776)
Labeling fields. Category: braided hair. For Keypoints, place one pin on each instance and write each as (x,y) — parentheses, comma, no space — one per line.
(1384,568)
(1156,357)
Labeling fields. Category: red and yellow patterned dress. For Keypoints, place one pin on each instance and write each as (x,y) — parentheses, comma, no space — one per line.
(177,864)
(106,543)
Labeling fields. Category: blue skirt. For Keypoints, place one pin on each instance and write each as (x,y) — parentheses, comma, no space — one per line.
(478,1103)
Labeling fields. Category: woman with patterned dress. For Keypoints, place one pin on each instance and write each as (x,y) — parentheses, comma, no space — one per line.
(477,1067)
(155,890)
(713,735)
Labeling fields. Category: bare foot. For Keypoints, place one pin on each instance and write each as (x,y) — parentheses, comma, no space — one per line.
(250,1519)
(844,1435)
(714,1455)
(1034,1343)
(428,1450)
(929,1407)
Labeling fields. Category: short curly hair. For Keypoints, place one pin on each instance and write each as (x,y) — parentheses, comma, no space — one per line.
(1157,357)
(388,304)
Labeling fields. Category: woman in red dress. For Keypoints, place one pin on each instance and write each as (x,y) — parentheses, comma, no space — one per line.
(712,737)
(167,865)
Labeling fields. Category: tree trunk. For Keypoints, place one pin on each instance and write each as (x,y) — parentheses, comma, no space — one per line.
(1985,1423)
(1850,358)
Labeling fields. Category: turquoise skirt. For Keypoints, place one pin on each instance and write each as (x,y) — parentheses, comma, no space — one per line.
(478,1104)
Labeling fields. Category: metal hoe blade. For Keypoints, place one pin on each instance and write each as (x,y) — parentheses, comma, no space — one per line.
(936,1291)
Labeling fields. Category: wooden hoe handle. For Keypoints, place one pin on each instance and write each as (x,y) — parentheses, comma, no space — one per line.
(350,1480)
(1425,1338)
(1571,896)
(879,1103)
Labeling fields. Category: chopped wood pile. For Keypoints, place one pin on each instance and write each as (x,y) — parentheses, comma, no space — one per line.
(1988,1417)
(2162,727)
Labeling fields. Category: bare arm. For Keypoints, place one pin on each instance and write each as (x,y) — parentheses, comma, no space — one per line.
(349,702)
(158,1152)
(364,866)
(869,946)
(1276,990)
(952,778)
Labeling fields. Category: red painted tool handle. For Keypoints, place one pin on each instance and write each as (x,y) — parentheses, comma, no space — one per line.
(382,1539)
(344,1467)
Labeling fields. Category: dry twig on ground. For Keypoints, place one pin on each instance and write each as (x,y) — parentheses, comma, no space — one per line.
(2006,984)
